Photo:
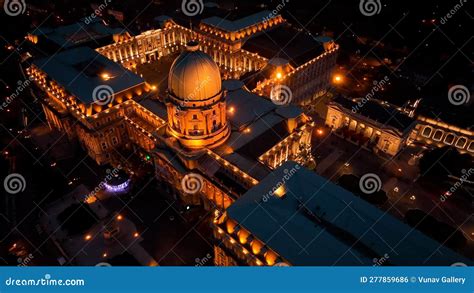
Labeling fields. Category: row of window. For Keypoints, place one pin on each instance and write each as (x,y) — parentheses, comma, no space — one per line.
(449,139)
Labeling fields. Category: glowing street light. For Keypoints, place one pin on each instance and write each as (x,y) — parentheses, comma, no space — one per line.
(105,76)
(338,79)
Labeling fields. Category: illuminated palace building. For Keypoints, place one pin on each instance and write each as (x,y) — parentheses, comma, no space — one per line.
(254,47)
(217,144)
(384,128)
(230,137)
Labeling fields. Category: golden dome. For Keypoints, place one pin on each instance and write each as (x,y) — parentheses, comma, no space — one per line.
(194,76)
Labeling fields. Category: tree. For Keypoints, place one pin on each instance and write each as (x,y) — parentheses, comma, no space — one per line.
(441,162)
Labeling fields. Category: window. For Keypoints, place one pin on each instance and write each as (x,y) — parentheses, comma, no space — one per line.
(471,147)
(438,135)
(427,131)
(114,140)
(461,143)
(104,145)
(449,139)
(195,117)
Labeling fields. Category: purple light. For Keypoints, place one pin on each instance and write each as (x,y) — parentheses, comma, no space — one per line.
(117,188)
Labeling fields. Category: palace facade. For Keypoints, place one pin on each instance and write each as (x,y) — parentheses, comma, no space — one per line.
(380,127)
(374,125)
(242,47)
(203,131)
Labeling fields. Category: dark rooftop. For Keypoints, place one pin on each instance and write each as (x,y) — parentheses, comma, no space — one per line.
(316,222)
(284,41)
(232,25)
(75,34)
(79,70)
(383,114)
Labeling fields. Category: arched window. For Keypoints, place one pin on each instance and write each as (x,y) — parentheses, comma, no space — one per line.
(438,135)
(471,147)
(427,131)
(461,143)
(449,139)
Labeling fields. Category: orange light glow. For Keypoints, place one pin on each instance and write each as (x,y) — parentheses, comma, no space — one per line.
(279,75)
(88,237)
(136,234)
(119,217)
(231,110)
(338,79)
(105,76)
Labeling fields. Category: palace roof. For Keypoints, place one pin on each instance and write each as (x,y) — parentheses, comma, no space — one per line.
(317,222)
(80,71)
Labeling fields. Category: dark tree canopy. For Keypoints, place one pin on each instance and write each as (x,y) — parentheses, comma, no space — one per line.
(441,162)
